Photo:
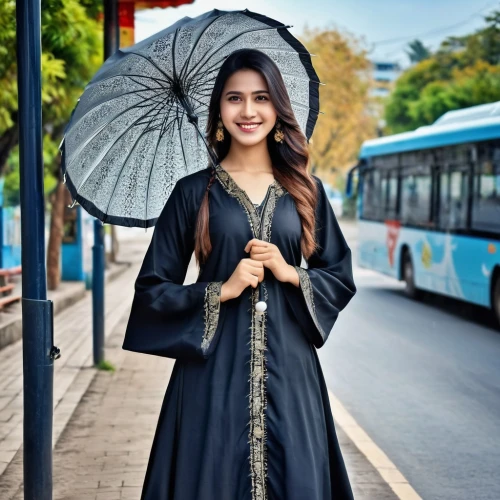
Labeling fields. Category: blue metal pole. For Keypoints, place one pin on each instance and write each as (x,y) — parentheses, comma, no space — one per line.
(37,312)
(111,43)
(98,258)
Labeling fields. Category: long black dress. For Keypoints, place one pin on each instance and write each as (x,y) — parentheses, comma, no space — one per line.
(246,415)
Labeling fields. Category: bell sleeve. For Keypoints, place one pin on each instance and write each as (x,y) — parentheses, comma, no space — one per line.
(169,318)
(326,285)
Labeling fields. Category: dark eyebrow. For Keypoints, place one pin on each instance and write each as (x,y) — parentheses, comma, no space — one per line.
(239,93)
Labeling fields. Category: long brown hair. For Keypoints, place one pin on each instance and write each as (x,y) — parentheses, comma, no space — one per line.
(289,159)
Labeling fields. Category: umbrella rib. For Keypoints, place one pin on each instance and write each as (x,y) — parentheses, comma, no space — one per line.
(206,94)
(112,145)
(132,77)
(173,53)
(150,171)
(282,50)
(169,79)
(151,89)
(85,143)
(123,168)
(93,84)
(182,144)
(304,106)
(170,124)
(129,93)
(200,102)
(201,77)
(231,40)
(300,77)
(160,135)
(195,43)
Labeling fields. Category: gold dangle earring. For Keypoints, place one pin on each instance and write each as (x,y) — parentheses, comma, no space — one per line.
(219,135)
(279,135)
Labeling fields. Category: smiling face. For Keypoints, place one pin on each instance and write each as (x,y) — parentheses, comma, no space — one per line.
(245,107)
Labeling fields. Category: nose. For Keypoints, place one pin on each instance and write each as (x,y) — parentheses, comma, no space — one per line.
(247,111)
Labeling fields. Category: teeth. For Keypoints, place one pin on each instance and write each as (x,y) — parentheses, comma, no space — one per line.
(249,126)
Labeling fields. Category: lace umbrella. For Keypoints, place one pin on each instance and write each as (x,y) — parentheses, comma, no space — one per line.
(139,125)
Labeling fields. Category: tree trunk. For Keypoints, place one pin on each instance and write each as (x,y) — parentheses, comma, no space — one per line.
(55,236)
(114,245)
(8,141)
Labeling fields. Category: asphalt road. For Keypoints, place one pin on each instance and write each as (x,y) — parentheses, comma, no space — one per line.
(423,380)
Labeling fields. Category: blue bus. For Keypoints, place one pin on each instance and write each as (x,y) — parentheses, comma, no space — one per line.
(429,206)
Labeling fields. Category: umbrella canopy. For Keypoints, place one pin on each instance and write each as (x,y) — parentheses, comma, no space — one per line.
(139,125)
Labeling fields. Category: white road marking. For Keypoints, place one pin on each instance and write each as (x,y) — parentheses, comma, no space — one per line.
(380,461)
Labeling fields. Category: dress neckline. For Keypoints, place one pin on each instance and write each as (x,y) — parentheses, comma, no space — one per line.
(236,187)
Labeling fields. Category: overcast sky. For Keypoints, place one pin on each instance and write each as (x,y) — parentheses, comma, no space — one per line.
(375,20)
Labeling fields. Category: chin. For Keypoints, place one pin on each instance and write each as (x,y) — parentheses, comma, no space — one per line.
(249,141)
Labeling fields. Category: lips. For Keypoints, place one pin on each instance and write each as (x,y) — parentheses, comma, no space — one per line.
(250,127)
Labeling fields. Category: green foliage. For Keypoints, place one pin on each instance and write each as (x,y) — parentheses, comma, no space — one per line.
(106,366)
(463,72)
(72,51)
(12,178)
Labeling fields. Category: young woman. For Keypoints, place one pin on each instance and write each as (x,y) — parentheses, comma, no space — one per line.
(246,415)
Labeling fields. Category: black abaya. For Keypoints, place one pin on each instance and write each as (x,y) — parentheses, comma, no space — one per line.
(246,415)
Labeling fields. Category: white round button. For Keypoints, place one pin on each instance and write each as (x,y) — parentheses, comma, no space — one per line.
(261,306)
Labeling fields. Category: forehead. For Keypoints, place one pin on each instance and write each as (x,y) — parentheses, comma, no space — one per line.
(246,80)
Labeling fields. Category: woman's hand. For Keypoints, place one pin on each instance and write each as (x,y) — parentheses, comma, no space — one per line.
(248,272)
(270,256)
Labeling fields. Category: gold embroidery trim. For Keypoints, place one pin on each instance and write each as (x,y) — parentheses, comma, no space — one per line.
(258,338)
(258,399)
(212,309)
(236,192)
(307,290)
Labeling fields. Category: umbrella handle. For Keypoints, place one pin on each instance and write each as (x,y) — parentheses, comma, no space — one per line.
(260,306)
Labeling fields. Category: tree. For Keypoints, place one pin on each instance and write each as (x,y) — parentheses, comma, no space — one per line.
(342,64)
(418,51)
(474,85)
(463,72)
(71,54)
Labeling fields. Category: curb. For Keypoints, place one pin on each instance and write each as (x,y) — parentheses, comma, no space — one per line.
(11,324)
(389,473)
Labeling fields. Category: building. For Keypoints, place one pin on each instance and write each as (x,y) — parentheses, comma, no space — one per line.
(384,74)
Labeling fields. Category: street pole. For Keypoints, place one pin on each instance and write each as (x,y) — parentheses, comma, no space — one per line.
(111,31)
(98,258)
(111,43)
(37,312)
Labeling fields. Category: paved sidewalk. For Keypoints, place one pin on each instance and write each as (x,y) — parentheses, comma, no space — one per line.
(105,422)
(73,372)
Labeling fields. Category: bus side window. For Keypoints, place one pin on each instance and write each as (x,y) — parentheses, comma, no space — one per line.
(486,207)
(391,207)
(444,200)
(416,198)
(458,200)
(372,195)
(453,197)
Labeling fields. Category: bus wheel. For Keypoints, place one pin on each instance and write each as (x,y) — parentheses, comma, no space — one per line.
(495,303)
(409,277)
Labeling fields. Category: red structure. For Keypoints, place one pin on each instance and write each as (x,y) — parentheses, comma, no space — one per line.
(126,11)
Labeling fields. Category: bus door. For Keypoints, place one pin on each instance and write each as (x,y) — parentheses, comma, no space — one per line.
(384,258)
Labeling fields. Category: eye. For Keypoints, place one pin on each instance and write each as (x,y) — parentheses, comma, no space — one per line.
(265,98)
(231,97)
